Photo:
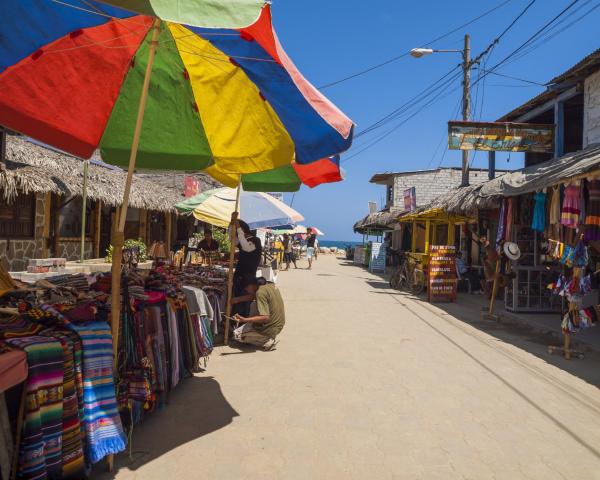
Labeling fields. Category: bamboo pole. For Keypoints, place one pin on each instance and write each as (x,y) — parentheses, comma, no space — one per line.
(495,285)
(86,164)
(233,241)
(97,228)
(121,215)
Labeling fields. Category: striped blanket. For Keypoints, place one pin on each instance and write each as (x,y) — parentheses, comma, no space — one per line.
(104,432)
(40,452)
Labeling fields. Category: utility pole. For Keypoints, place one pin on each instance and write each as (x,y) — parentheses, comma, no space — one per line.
(466,104)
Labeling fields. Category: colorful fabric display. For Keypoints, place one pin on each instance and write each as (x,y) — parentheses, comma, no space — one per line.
(592,219)
(580,255)
(555,211)
(539,212)
(73,434)
(40,452)
(104,432)
(571,209)
(567,256)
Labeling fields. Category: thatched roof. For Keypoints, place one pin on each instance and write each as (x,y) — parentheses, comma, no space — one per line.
(32,168)
(381,220)
(462,201)
(174,180)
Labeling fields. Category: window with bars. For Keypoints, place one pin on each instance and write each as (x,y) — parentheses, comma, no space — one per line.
(17,219)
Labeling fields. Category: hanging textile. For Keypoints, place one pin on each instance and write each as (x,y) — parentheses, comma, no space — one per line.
(501,223)
(539,212)
(104,432)
(571,209)
(40,451)
(73,465)
(510,213)
(555,206)
(592,219)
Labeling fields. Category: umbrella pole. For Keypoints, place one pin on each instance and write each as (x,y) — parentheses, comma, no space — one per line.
(86,164)
(233,241)
(121,214)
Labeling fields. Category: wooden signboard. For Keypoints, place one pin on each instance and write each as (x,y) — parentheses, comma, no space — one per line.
(377,263)
(442,273)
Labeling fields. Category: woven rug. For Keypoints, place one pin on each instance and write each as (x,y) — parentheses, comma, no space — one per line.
(104,432)
(40,452)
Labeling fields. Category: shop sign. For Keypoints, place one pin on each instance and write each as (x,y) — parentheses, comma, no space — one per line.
(442,273)
(410,199)
(377,263)
(500,136)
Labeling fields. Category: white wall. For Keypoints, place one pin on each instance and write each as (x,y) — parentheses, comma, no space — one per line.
(591,110)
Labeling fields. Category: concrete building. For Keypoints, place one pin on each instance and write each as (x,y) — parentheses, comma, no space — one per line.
(427,184)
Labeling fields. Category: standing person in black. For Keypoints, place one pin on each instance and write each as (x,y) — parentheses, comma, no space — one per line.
(310,247)
(248,260)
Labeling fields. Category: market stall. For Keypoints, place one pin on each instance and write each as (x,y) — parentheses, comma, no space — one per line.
(58,333)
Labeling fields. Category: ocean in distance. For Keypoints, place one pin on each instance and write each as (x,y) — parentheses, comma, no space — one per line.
(337,243)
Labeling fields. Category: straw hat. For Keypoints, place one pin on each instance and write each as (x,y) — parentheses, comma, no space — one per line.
(512,250)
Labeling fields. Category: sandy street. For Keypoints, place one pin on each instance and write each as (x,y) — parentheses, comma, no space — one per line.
(367,383)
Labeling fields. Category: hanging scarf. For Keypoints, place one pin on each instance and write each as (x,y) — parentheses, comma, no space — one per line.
(104,432)
(501,223)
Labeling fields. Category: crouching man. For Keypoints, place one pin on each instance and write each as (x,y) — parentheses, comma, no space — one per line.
(261,329)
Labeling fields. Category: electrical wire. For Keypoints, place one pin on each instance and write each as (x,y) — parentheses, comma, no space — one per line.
(530,39)
(516,78)
(413,101)
(550,35)
(398,125)
(405,54)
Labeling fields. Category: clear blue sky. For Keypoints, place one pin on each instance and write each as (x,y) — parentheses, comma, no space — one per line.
(332,39)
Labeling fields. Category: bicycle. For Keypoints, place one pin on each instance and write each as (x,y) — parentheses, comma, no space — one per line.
(407,277)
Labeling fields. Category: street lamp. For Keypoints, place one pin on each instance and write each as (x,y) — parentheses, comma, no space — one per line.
(466,66)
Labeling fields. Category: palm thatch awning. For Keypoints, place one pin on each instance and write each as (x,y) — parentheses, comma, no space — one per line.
(436,215)
(378,221)
(32,168)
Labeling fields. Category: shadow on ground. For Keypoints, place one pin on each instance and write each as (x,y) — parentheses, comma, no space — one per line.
(532,339)
(196,408)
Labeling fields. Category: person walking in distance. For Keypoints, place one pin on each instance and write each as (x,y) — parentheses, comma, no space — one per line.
(288,252)
(310,247)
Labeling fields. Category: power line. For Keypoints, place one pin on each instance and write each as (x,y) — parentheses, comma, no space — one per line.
(515,78)
(429,90)
(550,34)
(397,126)
(430,42)
(530,39)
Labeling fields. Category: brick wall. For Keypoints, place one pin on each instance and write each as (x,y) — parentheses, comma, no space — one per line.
(430,185)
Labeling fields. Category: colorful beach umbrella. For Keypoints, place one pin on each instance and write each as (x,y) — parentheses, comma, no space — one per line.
(185,84)
(288,178)
(257,209)
(226,99)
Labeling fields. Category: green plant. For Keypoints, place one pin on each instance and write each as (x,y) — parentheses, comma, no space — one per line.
(221,236)
(130,243)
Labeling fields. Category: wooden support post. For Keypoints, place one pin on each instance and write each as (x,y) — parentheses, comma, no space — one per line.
(495,286)
(143,226)
(47,224)
(233,241)
(97,228)
(169,229)
(413,240)
(56,227)
(86,164)
(427,227)
(118,237)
